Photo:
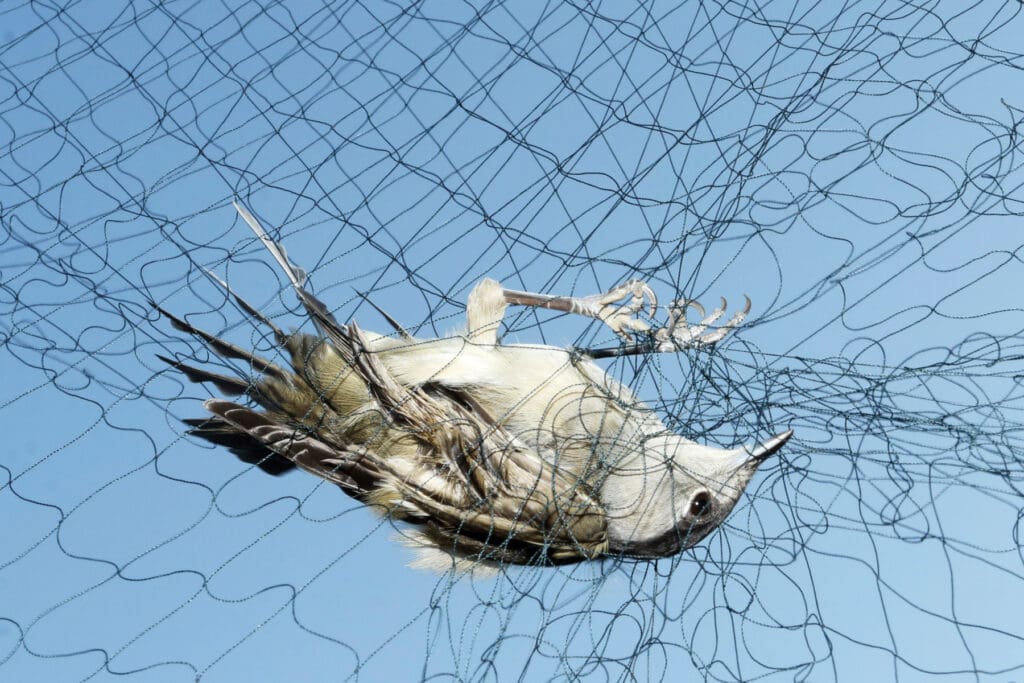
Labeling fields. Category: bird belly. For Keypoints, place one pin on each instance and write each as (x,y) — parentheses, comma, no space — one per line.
(556,405)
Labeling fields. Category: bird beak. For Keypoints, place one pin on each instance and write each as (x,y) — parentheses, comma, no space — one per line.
(754,455)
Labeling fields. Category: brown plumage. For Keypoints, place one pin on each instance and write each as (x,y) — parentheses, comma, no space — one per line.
(495,453)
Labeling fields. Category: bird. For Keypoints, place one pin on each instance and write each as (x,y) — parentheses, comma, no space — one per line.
(491,453)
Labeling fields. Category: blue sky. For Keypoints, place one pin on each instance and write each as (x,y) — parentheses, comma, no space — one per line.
(853,170)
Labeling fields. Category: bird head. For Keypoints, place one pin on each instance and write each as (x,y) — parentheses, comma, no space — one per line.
(674,492)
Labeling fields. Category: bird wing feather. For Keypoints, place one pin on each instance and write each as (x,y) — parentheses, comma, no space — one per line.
(442,462)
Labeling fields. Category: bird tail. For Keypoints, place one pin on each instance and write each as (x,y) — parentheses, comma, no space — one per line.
(321,394)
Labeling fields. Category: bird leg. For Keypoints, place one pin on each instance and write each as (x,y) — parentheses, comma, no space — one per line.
(678,334)
(599,306)
(485,309)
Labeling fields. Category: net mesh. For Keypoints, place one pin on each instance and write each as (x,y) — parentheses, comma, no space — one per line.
(854,168)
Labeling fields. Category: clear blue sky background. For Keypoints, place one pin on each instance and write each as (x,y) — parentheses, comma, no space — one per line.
(855,171)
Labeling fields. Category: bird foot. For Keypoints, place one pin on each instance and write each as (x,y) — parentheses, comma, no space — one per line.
(620,317)
(678,334)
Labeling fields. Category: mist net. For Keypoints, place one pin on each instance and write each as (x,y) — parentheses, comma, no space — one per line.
(855,168)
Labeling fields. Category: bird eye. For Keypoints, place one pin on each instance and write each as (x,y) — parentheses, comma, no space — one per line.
(700,504)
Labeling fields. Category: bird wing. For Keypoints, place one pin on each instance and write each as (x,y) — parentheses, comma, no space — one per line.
(476,491)
(483,494)
(475,486)
(426,454)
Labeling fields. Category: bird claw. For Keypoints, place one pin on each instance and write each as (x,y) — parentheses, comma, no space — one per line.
(620,317)
(678,334)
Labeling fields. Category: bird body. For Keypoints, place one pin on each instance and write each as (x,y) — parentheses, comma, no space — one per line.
(495,453)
